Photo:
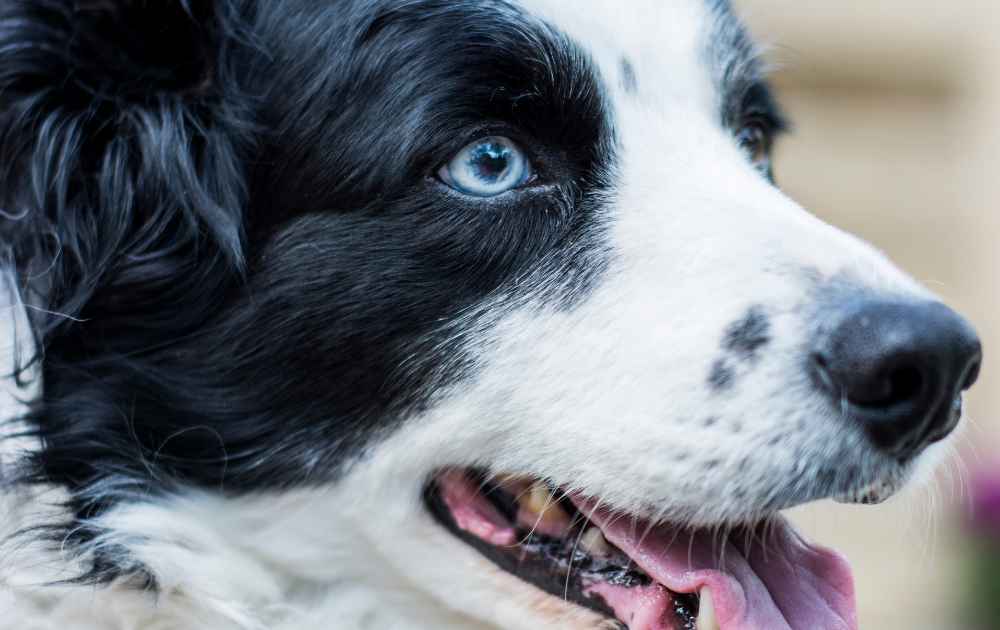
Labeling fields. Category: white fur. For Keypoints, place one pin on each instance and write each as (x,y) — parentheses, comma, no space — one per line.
(609,396)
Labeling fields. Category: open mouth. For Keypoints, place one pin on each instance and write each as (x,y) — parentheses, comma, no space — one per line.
(645,575)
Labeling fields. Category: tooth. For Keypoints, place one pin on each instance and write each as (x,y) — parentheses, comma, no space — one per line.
(542,512)
(594,543)
(706,611)
(539,499)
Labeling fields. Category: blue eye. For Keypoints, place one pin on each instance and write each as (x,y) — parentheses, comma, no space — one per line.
(487,168)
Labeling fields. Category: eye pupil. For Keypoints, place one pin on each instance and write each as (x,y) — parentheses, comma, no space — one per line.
(490,161)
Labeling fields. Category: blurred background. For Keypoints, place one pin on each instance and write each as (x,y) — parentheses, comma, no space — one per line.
(896,105)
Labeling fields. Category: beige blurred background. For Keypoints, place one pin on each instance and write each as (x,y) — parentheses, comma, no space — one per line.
(896,105)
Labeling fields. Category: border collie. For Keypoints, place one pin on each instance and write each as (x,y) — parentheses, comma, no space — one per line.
(433,314)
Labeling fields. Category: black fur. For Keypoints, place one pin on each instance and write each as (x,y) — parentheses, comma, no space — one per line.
(721,376)
(224,221)
(741,344)
(746,336)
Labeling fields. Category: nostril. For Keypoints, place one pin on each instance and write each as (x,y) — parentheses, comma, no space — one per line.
(904,384)
(886,389)
(870,388)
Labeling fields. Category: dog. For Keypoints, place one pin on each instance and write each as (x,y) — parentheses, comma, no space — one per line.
(433,314)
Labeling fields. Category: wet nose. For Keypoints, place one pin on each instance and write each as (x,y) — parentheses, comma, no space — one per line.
(898,368)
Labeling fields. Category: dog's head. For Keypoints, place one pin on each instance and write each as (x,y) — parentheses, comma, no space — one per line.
(511,278)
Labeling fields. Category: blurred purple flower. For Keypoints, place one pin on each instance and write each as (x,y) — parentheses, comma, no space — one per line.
(986,502)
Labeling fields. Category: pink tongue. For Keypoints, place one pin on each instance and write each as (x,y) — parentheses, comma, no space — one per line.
(785,584)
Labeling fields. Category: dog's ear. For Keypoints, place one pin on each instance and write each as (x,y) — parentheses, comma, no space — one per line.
(111,50)
(120,149)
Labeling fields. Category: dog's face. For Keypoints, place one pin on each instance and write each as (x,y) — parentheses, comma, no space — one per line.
(520,290)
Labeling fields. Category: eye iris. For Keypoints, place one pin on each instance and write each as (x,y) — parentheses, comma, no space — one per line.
(490,161)
(487,168)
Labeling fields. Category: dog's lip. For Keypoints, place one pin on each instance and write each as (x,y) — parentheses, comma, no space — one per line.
(769,579)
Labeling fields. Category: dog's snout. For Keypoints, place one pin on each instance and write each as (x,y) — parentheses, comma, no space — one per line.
(899,369)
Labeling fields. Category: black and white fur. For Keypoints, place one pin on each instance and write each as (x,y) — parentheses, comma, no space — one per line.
(257,324)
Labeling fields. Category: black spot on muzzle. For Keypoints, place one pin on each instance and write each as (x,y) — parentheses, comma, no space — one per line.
(741,345)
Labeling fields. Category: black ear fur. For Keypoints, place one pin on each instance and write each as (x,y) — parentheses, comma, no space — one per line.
(120,153)
(116,50)
(123,138)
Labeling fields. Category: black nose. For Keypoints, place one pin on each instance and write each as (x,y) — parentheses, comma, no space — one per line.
(899,369)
